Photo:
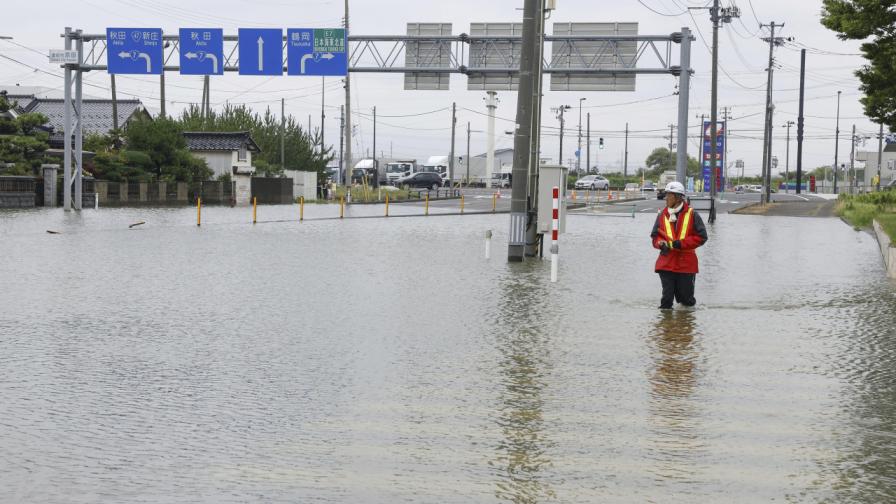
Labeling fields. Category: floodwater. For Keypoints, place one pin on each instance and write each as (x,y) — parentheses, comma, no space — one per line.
(381,361)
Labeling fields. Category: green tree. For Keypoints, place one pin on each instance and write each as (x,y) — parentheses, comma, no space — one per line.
(163,142)
(660,160)
(875,22)
(299,151)
(23,141)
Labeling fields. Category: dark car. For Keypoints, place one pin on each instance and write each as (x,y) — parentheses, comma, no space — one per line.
(426,180)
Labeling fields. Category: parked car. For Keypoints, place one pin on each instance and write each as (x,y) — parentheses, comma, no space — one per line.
(592,182)
(631,186)
(426,180)
(648,186)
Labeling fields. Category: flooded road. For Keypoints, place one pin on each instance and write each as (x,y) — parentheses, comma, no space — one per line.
(383,360)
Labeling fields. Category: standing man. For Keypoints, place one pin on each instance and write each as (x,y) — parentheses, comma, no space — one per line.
(677,233)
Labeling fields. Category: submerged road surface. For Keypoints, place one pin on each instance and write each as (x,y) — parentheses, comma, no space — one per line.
(385,360)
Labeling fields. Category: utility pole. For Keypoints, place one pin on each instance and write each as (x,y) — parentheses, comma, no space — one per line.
(799,124)
(114,105)
(376,171)
(467,177)
(579,151)
(852,161)
(341,137)
(162,94)
(282,133)
(726,115)
(625,159)
(348,117)
(588,146)
(561,109)
(837,144)
(491,105)
(713,112)
(453,128)
(684,86)
(702,145)
(323,116)
(769,111)
(788,124)
(880,152)
(671,139)
(523,135)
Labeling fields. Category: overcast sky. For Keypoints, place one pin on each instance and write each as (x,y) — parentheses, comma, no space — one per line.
(743,58)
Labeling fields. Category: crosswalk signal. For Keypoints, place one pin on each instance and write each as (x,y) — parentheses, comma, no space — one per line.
(600,144)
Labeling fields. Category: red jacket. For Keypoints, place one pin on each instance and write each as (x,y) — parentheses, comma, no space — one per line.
(689,230)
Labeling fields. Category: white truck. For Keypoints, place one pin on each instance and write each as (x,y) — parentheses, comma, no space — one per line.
(466,171)
(395,170)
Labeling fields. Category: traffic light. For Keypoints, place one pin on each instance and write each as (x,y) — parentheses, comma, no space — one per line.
(600,144)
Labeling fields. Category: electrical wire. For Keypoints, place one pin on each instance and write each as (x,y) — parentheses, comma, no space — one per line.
(651,9)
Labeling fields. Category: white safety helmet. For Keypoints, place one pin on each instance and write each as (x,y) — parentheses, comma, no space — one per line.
(675,188)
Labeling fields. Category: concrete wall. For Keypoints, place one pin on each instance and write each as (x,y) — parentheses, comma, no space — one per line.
(887,250)
(304,184)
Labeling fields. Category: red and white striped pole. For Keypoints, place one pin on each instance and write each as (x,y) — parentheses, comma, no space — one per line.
(555,230)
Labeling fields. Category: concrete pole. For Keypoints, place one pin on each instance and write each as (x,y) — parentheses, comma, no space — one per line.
(67,131)
(79,127)
(491,105)
(852,160)
(767,135)
(588,145)
(531,249)
(800,124)
(342,139)
(787,160)
(115,104)
(323,116)
(348,113)
(579,146)
(714,112)
(282,133)
(880,152)
(625,158)
(467,178)
(162,94)
(453,132)
(523,134)
(836,166)
(684,89)
(376,171)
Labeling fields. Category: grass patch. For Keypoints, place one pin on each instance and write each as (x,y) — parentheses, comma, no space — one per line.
(860,210)
(888,222)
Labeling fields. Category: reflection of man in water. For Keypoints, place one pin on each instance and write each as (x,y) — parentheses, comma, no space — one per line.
(677,233)
(676,442)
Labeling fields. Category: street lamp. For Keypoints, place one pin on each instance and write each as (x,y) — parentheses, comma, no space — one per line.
(561,110)
(579,152)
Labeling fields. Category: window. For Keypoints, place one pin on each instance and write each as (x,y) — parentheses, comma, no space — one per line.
(242,154)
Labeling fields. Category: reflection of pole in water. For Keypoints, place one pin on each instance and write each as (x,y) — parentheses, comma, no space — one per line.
(675,442)
(522,455)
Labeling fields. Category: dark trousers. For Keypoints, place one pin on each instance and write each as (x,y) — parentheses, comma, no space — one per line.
(679,286)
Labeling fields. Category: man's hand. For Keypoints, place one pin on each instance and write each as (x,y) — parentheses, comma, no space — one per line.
(676,244)
(664,248)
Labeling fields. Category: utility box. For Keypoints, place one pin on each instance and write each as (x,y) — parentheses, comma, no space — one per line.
(548,177)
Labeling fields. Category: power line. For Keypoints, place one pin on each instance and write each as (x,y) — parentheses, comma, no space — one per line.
(651,9)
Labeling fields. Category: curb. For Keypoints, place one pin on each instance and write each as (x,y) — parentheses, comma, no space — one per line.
(887,249)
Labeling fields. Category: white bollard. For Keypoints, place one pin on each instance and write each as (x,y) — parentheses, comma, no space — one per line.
(488,244)
(555,229)
(96,201)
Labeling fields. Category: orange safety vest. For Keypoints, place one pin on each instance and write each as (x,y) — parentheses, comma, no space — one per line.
(683,232)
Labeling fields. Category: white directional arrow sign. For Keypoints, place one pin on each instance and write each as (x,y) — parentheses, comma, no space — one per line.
(134,55)
(260,54)
(326,56)
(203,57)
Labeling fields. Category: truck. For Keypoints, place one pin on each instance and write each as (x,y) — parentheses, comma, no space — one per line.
(397,169)
(473,168)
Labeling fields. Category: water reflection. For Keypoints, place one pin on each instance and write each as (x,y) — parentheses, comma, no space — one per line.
(675,441)
(524,349)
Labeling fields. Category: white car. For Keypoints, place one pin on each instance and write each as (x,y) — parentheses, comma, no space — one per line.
(592,182)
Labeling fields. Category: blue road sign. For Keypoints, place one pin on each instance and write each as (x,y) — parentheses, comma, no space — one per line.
(261,51)
(134,50)
(201,51)
(316,51)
